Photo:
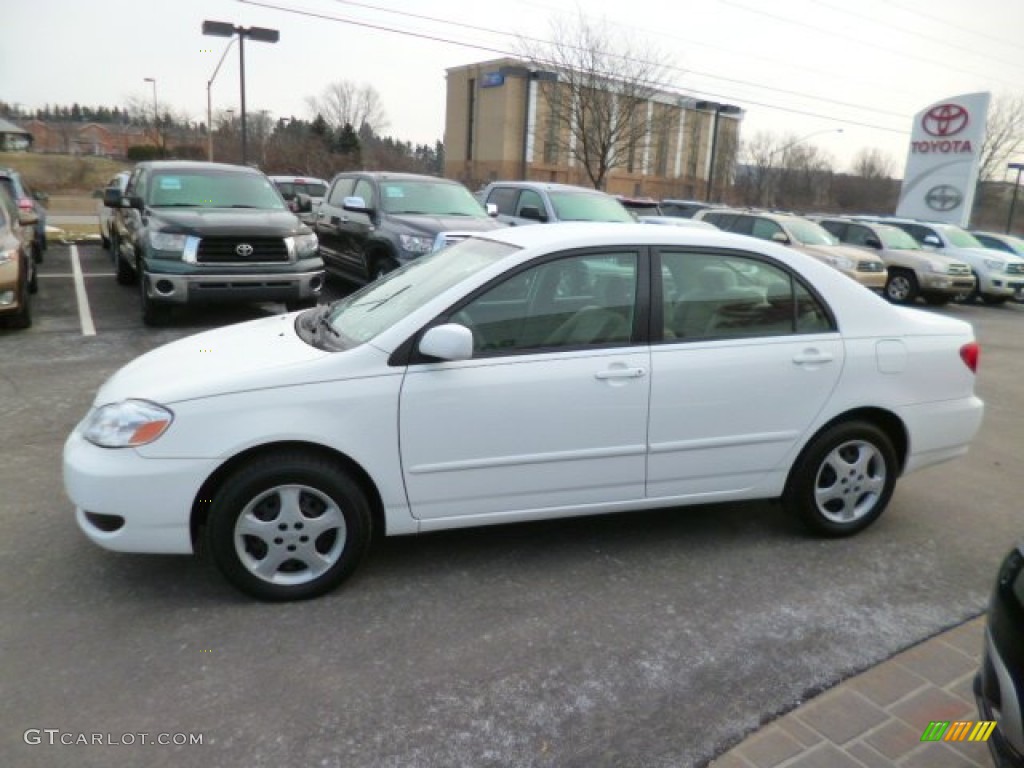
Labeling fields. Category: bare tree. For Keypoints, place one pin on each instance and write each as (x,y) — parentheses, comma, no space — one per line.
(872,163)
(1004,136)
(345,101)
(601,103)
(870,187)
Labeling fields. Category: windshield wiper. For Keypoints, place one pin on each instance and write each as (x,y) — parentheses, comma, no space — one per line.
(379,302)
(323,324)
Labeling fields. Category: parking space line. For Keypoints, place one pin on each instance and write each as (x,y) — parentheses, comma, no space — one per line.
(84,314)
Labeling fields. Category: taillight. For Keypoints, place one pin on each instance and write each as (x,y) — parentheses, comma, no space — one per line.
(969,354)
(25,204)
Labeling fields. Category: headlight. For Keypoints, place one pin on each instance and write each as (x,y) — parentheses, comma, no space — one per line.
(416,244)
(938,266)
(126,424)
(164,241)
(996,265)
(842,262)
(305,246)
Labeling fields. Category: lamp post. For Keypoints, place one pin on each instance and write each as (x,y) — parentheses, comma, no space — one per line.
(1013,200)
(156,112)
(719,109)
(209,103)
(260,34)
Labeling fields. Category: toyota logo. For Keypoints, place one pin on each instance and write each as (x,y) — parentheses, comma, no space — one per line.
(244,250)
(943,198)
(944,120)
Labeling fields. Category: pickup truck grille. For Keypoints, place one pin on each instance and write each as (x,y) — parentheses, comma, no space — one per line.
(241,250)
(1015,269)
(958,269)
(870,266)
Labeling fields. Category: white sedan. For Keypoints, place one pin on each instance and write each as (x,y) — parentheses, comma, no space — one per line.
(528,373)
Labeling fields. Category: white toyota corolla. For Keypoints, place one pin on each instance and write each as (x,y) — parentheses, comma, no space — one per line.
(529,373)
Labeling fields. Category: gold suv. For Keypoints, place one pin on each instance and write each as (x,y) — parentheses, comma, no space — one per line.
(803,235)
(17,267)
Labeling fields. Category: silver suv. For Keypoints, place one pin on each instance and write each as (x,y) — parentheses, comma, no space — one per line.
(1000,275)
(535,202)
(802,235)
(913,271)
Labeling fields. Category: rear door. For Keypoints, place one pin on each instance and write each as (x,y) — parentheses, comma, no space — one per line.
(328,223)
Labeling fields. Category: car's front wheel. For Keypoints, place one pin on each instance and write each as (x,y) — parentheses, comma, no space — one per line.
(843,480)
(288,526)
(901,287)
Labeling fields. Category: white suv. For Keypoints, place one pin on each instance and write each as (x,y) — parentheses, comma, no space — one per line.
(1000,275)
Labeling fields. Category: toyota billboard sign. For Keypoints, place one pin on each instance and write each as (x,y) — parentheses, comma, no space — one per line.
(942,162)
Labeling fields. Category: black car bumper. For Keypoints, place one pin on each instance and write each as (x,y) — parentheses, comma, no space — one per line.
(999,685)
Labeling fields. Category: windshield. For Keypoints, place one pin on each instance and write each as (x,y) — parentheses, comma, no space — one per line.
(809,233)
(896,239)
(588,206)
(960,238)
(213,189)
(366,313)
(436,198)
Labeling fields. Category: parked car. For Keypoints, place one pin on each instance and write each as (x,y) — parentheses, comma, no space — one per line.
(999,241)
(291,187)
(17,267)
(373,222)
(803,235)
(536,202)
(676,221)
(912,270)
(640,206)
(190,233)
(103,212)
(1000,275)
(28,199)
(683,208)
(999,685)
(521,374)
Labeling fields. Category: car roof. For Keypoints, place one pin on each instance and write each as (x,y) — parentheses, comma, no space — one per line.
(194,165)
(393,176)
(550,186)
(294,179)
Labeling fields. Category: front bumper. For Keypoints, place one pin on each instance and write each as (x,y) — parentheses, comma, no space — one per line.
(999,284)
(932,282)
(128,503)
(873,280)
(203,288)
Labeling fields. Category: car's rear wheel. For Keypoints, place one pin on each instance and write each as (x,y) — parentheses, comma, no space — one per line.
(288,526)
(843,480)
(901,287)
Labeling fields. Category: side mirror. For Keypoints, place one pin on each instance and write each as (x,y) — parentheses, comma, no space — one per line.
(27,218)
(355,204)
(492,209)
(932,240)
(113,197)
(780,237)
(873,242)
(533,213)
(303,203)
(447,342)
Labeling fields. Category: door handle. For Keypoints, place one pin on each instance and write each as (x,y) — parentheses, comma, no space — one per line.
(621,373)
(812,357)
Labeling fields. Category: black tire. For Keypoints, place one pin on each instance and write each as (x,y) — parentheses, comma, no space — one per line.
(33,280)
(278,515)
(154,314)
(37,251)
(838,503)
(937,299)
(993,301)
(380,266)
(23,317)
(901,287)
(123,271)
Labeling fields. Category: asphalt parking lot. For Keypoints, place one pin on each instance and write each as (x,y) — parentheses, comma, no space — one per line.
(647,639)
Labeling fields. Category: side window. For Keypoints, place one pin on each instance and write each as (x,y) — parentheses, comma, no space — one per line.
(858,235)
(837,228)
(529,197)
(342,188)
(765,229)
(733,296)
(916,231)
(579,301)
(505,199)
(364,189)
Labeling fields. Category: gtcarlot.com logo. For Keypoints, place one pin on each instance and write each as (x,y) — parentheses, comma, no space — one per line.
(958,730)
(57,737)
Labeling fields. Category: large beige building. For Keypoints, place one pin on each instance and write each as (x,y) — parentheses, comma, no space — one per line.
(498,125)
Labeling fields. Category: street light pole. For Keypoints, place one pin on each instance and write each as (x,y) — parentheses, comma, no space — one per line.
(156,112)
(209,103)
(260,34)
(728,109)
(1013,200)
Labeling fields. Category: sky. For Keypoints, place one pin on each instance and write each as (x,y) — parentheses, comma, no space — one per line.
(801,69)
